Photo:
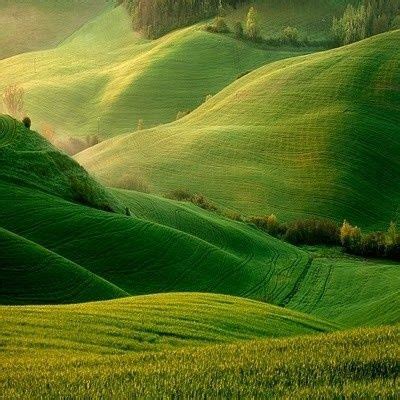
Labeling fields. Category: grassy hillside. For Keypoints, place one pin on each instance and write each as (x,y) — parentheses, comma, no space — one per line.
(163,246)
(105,77)
(201,252)
(29,25)
(31,274)
(144,323)
(313,135)
(350,290)
(360,365)
(27,160)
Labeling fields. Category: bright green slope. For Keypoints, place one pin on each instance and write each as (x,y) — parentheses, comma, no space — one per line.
(350,290)
(144,323)
(314,135)
(187,250)
(106,77)
(363,364)
(28,25)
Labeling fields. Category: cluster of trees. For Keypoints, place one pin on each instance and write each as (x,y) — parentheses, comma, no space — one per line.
(367,19)
(326,232)
(156,17)
(311,231)
(373,244)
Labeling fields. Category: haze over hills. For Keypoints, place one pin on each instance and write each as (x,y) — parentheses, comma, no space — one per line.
(29,25)
(105,78)
(257,149)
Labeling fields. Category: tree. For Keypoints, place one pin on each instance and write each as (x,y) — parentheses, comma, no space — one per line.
(238,30)
(27,122)
(252,30)
(350,236)
(13,99)
(290,35)
(140,125)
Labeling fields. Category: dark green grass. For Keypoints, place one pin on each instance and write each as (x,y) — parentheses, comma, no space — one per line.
(31,274)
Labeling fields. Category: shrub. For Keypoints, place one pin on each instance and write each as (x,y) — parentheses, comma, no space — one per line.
(202,202)
(179,195)
(238,30)
(218,26)
(372,245)
(269,224)
(290,35)
(312,232)
(27,122)
(350,236)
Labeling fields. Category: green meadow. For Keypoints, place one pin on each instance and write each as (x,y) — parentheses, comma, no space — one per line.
(113,285)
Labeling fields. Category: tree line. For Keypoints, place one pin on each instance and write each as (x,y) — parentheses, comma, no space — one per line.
(154,18)
(369,18)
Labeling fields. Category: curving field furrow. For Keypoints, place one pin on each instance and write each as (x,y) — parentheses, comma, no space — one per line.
(333,154)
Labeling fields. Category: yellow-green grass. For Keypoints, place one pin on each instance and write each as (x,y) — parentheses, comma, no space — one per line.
(147,323)
(28,25)
(106,77)
(316,135)
(361,364)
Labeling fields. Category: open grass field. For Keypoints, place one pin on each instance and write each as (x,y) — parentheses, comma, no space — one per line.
(256,148)
(362,364)
(147,323)
(105,78)
(28,25)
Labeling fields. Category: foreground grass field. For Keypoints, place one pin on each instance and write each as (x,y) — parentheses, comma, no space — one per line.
(257,149)
(363,364)
(29,25)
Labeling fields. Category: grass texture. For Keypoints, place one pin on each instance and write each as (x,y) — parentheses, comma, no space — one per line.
(362,364)
(310,136)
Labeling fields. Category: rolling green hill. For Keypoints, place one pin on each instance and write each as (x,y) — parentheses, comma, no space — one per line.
(28,25)
(139,254)
(314,135)
(105,77)
(31,274)
(148,323)
(163,246)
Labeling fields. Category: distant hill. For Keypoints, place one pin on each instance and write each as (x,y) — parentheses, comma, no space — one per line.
(29,25)
(314,135)
(105,77)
